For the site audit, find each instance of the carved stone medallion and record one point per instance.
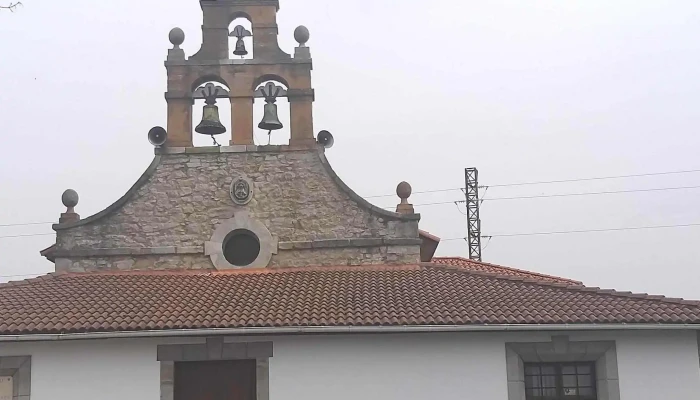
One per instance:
(241, 190)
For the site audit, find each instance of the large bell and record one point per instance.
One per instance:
(240, 48)
(210, 125)
(270, 121)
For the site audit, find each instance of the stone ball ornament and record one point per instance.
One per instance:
(301, 35)
(70, 198)
(176, 36)
(403, 190)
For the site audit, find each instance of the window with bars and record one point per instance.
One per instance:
(560, 381)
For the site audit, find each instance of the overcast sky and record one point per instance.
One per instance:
(412, 90)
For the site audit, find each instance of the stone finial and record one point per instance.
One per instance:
(301, 35)
(70, 200)
(403, 190)
(177, 37)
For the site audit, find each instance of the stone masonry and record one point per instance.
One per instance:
(284, 205)
(165, 219)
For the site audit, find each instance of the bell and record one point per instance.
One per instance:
(240, 48)
(210, 125)
(270, 121)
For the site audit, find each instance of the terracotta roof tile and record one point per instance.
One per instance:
(428, 294)
(499, 269)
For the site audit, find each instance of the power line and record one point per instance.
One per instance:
(550, 182)
(596, 178)
(26, 223)
(419, 192)
(561, 195)
(22, 275)
(633, 228)
(593, 193)
(26, 235)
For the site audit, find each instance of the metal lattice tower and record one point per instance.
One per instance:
(473, 221)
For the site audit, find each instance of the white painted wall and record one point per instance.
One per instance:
(659, 366)
(389, 368)
(105, 370)
(406, 367)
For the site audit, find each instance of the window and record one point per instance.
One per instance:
(560, 381)
(241, 247)
(241, 242)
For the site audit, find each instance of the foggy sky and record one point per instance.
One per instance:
(412, 90)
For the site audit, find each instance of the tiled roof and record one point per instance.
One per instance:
(427, 294)
(499, 269)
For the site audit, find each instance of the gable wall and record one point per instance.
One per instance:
(296, 196)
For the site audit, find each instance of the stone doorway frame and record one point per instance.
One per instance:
(215, 350)
(20, 369)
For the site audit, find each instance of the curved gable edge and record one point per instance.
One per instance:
(361, 201)
(156, 161)
(117, 204)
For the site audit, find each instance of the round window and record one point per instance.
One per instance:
(241, 247)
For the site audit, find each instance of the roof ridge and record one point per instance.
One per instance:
(509, 268)
(579, 287)
(214, 272)
(28, 281)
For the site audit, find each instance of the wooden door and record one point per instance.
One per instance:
(215, 380)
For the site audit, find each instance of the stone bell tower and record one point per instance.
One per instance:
(214, 62)
(239, 205)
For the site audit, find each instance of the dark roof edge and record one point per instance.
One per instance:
(522, 271)
(117, 204)
(49, 252)
(573, 287)
(359, 199)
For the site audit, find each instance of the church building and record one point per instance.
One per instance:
(242, 271)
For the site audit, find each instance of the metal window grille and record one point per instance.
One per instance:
(560, 381)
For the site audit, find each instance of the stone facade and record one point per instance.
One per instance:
(167, 217)
(190, 204)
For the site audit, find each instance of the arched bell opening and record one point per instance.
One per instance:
(271, 113)
(240, 38)
(211, 114)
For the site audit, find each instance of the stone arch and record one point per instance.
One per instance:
(208, 78)
(269, 77)
(239, 14)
